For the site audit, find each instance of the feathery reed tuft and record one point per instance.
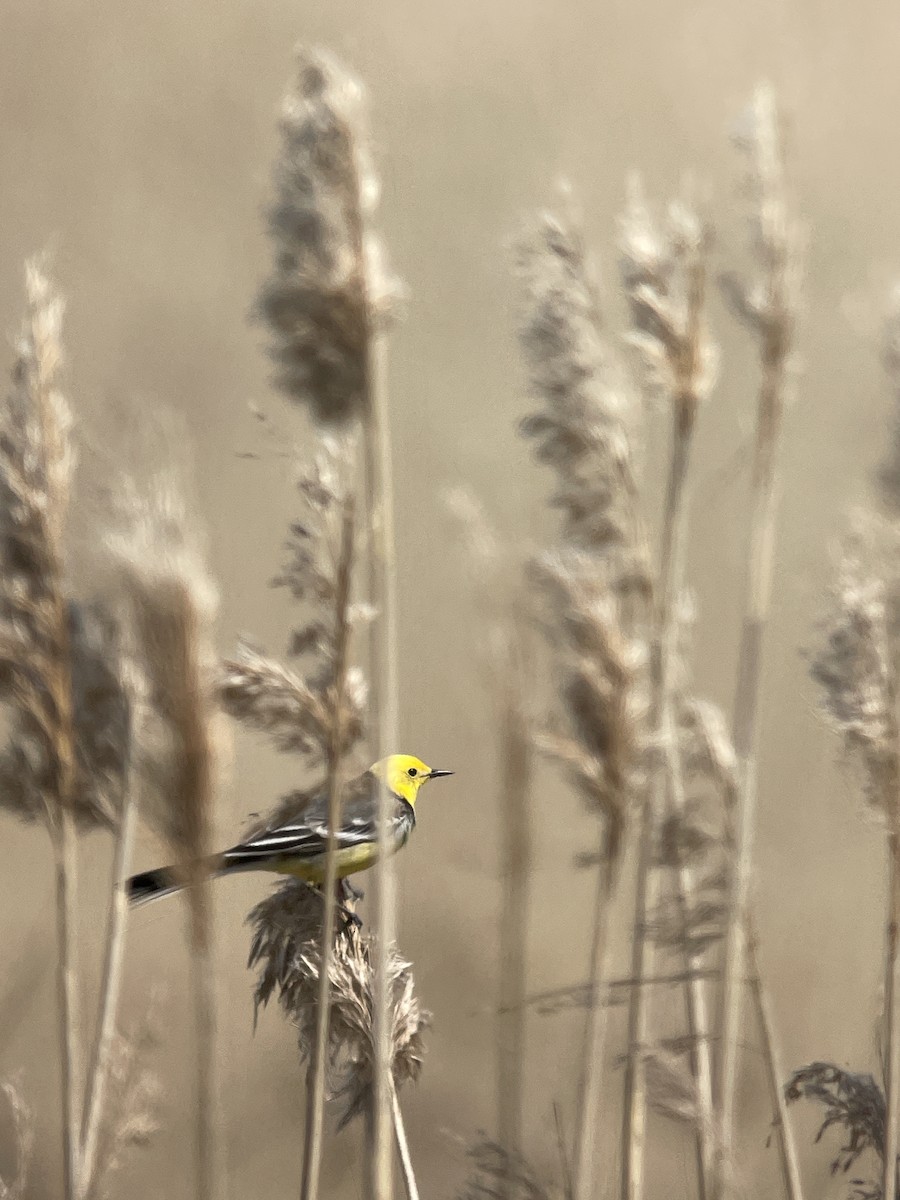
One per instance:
(328, 283)
(133, 1100)
(179, 735)
(299, 711)
(768, 304)
(596, 580)
(23, 1135)
(854, 1103)
(855, 671)
(286, 949)
(501, 1174)
(36, 669)
(581, 429)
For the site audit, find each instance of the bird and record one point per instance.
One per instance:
(298, 846)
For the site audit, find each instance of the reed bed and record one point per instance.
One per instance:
(117, 701)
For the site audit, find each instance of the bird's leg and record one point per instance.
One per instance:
(351, 891)
(350, 917)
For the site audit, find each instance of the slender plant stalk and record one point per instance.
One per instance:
(53, 443)
(110, 991)
(595, 1031)
(316, 1075)
(515, 830)
(775, 1076)
(696, 1006)
(64, 846)
(662, 794)
(746, 735)
(892, 1035)
(409, 1178)
(384, 704)
(197, 784)
(203, 988)
(772, 310)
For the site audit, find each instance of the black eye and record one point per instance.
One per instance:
(412, 771)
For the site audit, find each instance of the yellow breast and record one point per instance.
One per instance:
(349, 861)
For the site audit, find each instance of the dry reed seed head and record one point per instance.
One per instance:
(581, 426)
(103, 701)
(603, 687)
(102, 716)
(501, 1174)
(286, 949)
(36, 650)
(687, 836)
(270, 698)
(328, 289)
(853, 1103)
(310, 569)
(854, 668)
(769, 302)
(704, 921)
(171, 603)
(134, 1100)
(889, 471)
(298, 711)
(671, 1090)
(707, 750)
(663, 272)
(23, 1138)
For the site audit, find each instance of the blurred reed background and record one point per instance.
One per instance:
(137, 143)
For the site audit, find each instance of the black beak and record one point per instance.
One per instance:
(438, 774)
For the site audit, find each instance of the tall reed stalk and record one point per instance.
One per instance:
(172, 604)
(326, 304)
(515, 749)
(36, 650)
(318, 1062)
(65, 855)
(770, 309)
(596, 582)
(664, 278)
(384, 685)
(101, 1062)
(892, 1032)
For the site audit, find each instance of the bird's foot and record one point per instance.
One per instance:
(351, 891)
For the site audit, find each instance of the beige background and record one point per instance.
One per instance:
(136, 138)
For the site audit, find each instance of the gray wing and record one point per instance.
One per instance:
(307, 836)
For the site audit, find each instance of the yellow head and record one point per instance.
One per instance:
(404, 775)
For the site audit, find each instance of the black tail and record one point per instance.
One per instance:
(151, 885)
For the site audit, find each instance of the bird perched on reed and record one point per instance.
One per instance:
(298, 846)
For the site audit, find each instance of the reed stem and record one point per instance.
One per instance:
(746, 738)
(409, 1178)
(594, 1031)
(383, 708)
(110, 992)
(515, 830)
(775, 1075)
(64, 846)
(316, 1075)
(892, 1035)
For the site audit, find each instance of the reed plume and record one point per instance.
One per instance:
(500, 1174)
(856, 668)
(287, 950)
(595, 580)
(664, 276)
(14, 1187)
(36, 671)
(508, 655)
(326, 304)
(768, 304)
(171, 603)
